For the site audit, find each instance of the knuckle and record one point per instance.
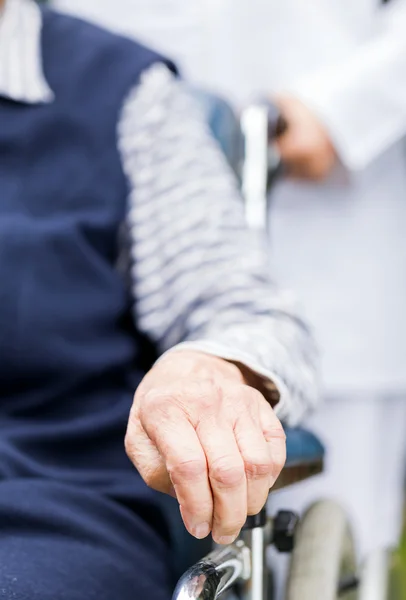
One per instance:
(258, 469)
(156, 408)
(205, 402)
(154, 400)
(276, 433)
(187, 471)
(226, 473)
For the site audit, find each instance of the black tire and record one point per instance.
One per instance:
(322, 556)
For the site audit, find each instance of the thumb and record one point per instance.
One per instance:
(145, 456)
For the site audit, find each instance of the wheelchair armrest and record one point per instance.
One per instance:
(302, 446)
(223, 124)
(305, 457)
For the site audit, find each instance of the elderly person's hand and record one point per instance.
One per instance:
(198, 431)
(305, 147)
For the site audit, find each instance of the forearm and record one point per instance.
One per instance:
(201, 279)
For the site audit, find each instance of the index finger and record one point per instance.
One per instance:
(185, 461)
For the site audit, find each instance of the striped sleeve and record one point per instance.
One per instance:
(200, 278)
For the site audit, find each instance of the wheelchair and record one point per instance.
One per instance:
(323, 562)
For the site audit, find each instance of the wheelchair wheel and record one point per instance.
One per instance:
(323, 558)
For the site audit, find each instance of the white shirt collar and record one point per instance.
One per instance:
(21, 72)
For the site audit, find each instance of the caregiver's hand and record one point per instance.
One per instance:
(305, 147)
(197, 431)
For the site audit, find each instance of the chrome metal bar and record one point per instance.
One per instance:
(261, 123)
(256, 587)
(374, 579)
(254, 124)
(214, 574)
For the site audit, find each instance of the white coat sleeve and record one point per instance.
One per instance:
(362, 101)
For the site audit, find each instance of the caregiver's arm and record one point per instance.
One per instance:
(356, 109)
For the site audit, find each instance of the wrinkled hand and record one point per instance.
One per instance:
(197, 431)
(305, 148)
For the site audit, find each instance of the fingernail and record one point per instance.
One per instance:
(226, 539)
(201, 531)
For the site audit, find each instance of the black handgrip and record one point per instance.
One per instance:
(255, 521)
(277, 124)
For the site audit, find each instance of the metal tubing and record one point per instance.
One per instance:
(256, 588)
(215, 573)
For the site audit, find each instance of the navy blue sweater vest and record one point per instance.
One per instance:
(69, 352)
